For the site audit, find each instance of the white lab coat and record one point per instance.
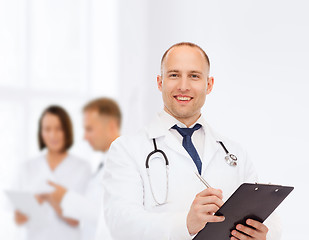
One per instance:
(87, 208)
(72, 173)
(129, 207)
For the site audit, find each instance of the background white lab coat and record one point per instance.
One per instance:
(130, 210)
(72, 173)
(87, 208)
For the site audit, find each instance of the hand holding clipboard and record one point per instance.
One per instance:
(249, 201)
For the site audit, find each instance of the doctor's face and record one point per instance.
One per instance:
(52, 133)
(184, 83)
(97, 130)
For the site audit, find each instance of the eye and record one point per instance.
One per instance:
(173, 75)
(195, 76)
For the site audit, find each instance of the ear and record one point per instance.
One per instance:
(210, 84)
(159, 82)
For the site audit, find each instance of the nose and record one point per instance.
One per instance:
(53, 134)
(184, 84)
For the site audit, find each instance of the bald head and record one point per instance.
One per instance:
(185, 44)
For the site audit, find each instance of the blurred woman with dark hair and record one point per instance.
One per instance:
(56, 135)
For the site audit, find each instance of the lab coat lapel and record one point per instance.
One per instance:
(210, 147)
(175, 145)
(156, 130)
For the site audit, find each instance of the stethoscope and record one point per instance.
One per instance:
(230, 159)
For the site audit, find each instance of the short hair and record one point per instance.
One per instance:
(105, 106)
(189, 44)
(66, 124)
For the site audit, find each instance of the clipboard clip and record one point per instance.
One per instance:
(269, 184)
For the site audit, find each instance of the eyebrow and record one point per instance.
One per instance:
(173, 71)
(196, 72)
(193, 71)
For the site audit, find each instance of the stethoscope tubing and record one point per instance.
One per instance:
(230, 159)
(156, 150)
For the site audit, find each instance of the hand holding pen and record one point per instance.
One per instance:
(203, 208)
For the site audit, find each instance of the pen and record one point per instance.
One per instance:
(202, 180)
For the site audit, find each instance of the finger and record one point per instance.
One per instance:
(210, 208)
(43, 196)
(208, 200)
(213, 218)
(52, 184)
(210, 192)
(247, 230)
(239, 235)
(257, 225)
(18, 214)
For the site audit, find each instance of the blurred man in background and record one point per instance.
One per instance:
(102, 120)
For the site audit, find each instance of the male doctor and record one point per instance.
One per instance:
(170, 202)
(102, 119)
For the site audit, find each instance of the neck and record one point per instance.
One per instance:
(112, 139)
(188, 121)
(115, 136)
(55, 158)
(55, 154)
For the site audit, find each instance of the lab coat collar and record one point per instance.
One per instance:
(160, 128)
(164, 122)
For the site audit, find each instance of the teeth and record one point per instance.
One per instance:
(183, 98)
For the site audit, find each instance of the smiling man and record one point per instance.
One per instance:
(152, 191)
(185, 70)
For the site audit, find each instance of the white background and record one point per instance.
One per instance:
(69, 51)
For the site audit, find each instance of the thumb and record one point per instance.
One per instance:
(52, 184)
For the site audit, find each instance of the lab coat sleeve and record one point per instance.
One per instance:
(102, 232)
(124, 210)
(77, 206)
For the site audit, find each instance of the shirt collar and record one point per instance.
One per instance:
(168, 121)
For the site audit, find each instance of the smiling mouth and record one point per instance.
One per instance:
(183, 98)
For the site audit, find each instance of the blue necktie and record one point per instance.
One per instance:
(186, 133)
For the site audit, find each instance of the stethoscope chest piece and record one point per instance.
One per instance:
(230, 159)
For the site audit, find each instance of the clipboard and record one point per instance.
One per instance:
(26, 203)
(255, 201)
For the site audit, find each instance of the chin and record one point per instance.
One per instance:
(182, 114)
(56, 150)
(95, 148)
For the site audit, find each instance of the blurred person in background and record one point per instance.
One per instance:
(55, 164)
(102, 120)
